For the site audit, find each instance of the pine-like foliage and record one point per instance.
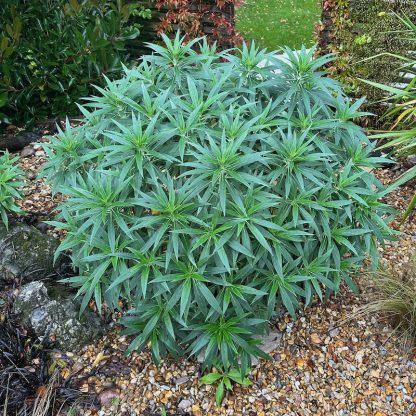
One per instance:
(206, 190)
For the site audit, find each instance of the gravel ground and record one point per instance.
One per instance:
(38, 200)
(330, 361)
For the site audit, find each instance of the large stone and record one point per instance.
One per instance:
(411, 160)
(269, 343)
(26, 253)
(54, 315)
(27, 151)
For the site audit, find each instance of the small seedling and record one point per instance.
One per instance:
(115, 401)
(225, 380)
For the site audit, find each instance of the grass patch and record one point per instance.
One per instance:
(274, 23)
(394, 297)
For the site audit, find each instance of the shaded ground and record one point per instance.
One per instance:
(275, 23)
(32, 377)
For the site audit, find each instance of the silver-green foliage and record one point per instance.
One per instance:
(10, 182)
(206, 190)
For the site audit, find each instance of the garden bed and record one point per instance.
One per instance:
(329, 361)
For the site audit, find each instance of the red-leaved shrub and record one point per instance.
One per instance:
(195, 18)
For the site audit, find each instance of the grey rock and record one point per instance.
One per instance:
(26, 253)
(411, 160)
(27, 151)
(184, 404)
(30, 297)
(107, 396)
(182, 380)
(334, 332)
(54, 315)
(30, 175)
(269, 343)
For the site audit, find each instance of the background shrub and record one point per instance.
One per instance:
(400, 140)
(205, 191)
(10, 181)
(357, 30)
(51, 52)
(194, 17)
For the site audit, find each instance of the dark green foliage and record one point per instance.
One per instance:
(52, 51)
(10, 181)
(207, 191)
(400, 140)
(376, 22)
(362, 30)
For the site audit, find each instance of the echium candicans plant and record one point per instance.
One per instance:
(206, 191)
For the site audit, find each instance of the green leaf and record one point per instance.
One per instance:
(219, 393)
(210, 378)
(186, 292)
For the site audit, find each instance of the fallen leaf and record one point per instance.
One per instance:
(65, 373)
(100, 357)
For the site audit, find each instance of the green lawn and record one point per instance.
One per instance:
(274, 23)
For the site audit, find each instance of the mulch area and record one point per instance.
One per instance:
(331, 360)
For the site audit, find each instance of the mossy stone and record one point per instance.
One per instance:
(26, 253)
(53, 315)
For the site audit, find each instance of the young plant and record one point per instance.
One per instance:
(224, 380)
(206, 191)
(10, 182)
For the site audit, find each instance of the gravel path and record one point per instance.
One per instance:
(323, 367)
(329, 362)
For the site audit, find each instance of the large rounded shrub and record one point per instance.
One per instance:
(205, 190)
